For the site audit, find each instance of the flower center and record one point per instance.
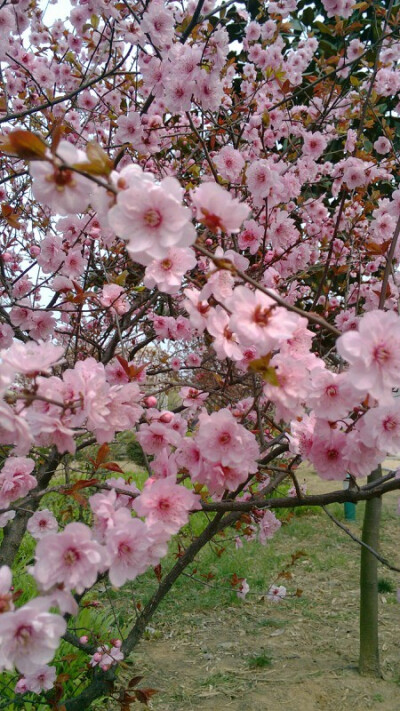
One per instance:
(123, 549)
(262, 316)
(63, 177)
(166, 264)
(163, 505)
(332, 454)
(71, 556)
(389, 424)
(152, 217)
(23, 634)
(381, 354)
(331, 391)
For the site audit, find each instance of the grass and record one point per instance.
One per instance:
(260, 661)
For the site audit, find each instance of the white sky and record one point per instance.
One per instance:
(55, 10)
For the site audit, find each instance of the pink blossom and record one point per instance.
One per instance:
(382, 145)
(155, 436)
(193, 360)
(164, 465)
(103, 506)
(229, 163)
(327, 453)
(14, 429)
(257, 320)
(188, 456)
(151, 217)
(276, 593)
(167, 274)
(105, 657)
(112, 297)
(63, 190)
(70, 558)
(175, 363)
(130, 129)
(41, 523)
(51, 253)
(264, 181)
(244, 588)
(225, 341)
(219, 284)
(178, 93)
(158, 23)
(217, 209)
(6, 335)
(29, 636)
(332, 396)
(74, 264)
(29, 358)
(191, 397)
(40, 680)
(224, 441)
(314, 144)
(42, 325)
(6, 596)
(219, 478)
(166, 502)
(16, 480)
(373, 353)
(268, 526)
(292, 388)
(127, 547)
(380, 428)
(251, 236)
(197, 309)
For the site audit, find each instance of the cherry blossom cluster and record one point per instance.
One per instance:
(199, 246)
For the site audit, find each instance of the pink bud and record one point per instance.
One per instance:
(97, 656)
(166, 417)
(34, 250)
(83, 639)
(150, 401)
(7, 257)
(209, 242)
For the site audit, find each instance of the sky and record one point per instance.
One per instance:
(55, 10)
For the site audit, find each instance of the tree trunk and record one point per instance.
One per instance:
(369, 646)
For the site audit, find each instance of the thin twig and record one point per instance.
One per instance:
(381, 559)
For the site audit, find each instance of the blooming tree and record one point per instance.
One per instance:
(198, 200)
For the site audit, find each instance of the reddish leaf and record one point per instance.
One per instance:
(23, 144)
(122, 361)
(63, 677)
(134, 681)
(144, 695)
(57, 134)
(102, 454)
(69, 658)
(10, 216)
(157, 571)
(234, 581)
(112, 467)
(75, 489)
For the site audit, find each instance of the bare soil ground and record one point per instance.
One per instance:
(298, 655)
